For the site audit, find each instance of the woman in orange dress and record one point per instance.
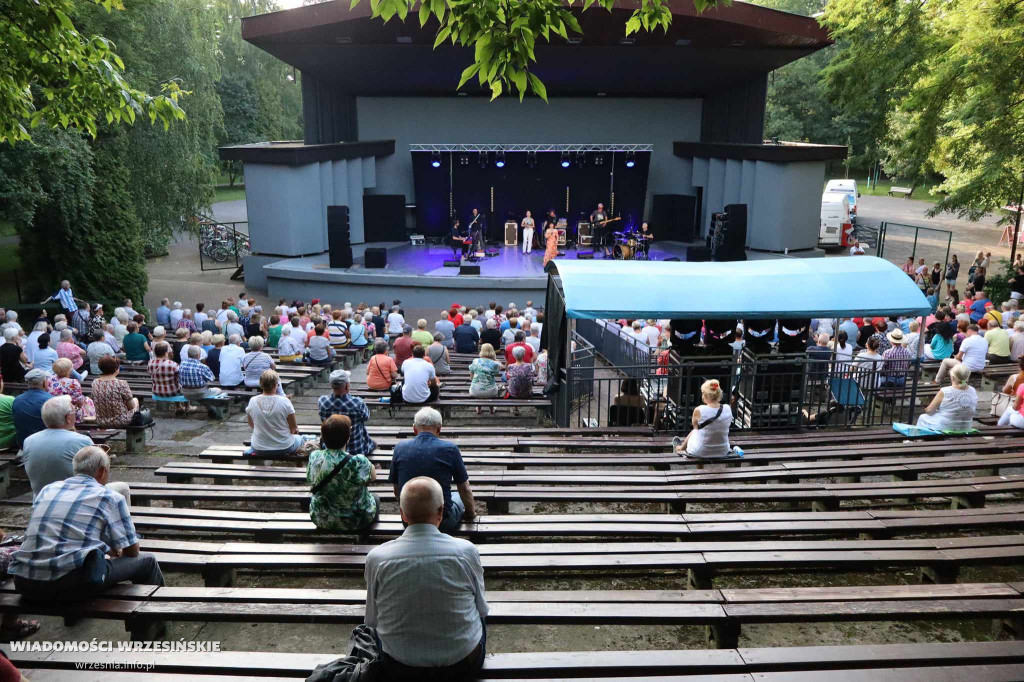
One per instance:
(551, 241)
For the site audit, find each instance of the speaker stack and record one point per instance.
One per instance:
(727, 238)
(339, 240)
(376, 258)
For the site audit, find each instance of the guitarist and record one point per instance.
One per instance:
(599, 224)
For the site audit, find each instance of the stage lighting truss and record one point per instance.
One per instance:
(508, 148)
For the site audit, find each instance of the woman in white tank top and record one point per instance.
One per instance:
(709, 437)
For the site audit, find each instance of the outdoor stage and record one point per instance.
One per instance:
(417, 276)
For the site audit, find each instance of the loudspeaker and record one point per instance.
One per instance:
(384, 217)
(733, 241)
(453, 263)
(551, 267)
(585, 255)
(376, 258)
(469, 270)
(673, 259)
(673, 217)
(339, 242)
(696, 254)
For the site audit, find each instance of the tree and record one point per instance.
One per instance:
(260, 96)
(52, 74)
(942, 83)
(503, 32)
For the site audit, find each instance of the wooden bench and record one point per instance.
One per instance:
(905, 192)
(145, 608)
(918, 662)
(937, 559)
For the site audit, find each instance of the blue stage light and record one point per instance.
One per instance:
(630, 159)
(435, 164)
(565, 159)
(630, 163)
(499, 159)
(499, 164)
(435, 159)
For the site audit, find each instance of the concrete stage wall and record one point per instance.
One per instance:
(566, 120)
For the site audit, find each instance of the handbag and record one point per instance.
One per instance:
(142, 417)
(1000, 404)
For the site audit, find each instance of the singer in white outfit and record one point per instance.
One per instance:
(528, 226)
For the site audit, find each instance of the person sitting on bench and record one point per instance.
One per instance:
(972, 353)
(74, 524)
(275, 433)
(428, 455)
(953, 407)
(195, 377)
(352, 407)
(425, 594)
(709, 437)
(421, 384)
(339, 498)
(49, 454)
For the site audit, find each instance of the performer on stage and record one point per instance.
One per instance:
(458, 239)
(528, 226)
(477, 229)
(599, 225)
(550, 238)
(645, 237)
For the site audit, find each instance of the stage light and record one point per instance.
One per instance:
(531, 159)
(581, 159)
(483, 159)
(630, 159)
(464, 160)
(565, 160)
(435, 159)
(499, 159)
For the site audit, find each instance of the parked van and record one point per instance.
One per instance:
(849, 188)
(836, 225)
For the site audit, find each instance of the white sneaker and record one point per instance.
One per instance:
(84, 374)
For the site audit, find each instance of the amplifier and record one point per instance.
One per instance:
(511, 233)
(584, 233)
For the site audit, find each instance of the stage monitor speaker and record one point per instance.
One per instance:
(469, 270)
(339, 243)
(511, 233)
(384, 217)
(696, 254)
(453, 263)
(673, 217)
(585, 255)
(673, 259)
(376, 258)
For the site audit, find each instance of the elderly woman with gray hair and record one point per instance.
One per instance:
(520, 377)
(256, 362)
(13, 361)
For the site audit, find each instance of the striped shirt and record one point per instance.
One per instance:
(67, 299)
(425, 597)
(254, 364)
(70, 519)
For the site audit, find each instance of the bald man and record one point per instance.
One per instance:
(425, 594)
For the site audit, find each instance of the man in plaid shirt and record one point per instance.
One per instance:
(896, 360)
(164, 372)
(340, 402)
(195, 376)
(75, 524)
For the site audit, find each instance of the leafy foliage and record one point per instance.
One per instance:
(503, 33)
(942, 84)
(55, 75)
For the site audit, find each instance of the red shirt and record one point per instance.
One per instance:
(511, 358)
(456, 318)
(403, 349)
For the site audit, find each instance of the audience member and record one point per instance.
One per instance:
(973, 352)
(998, 345)
(520, 376)
(230, 359)
(953, 407)
(381, 370)
(420, 335)
(45, 356)
(340, 401)
(491, 335)
(396, 322)
(27, 407)
(485, 372)
(163, 371)
(75, 522)
(136, 346)
(519, 341)
(438, 356)
(709, 434)
(195, 377)
(421, 384)
(425, 595)
(255, 363)
(896, 360)
(428, 455)
(7, 430)
(403, 345)
(13, 361)
(446, 327)
(339, 497)
(466, 337)
(1017, 341)
(115, 404)
(63, 384)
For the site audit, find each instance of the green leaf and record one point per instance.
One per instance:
(633, 25)
(538, 87)
(424, 14)
(64, 20)
(519, 79)
(468, 73)
(442, 35)
(484, 49)
(495, 90)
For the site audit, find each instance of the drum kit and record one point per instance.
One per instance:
(630, 246)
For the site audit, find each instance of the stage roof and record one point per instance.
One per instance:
(700, 54)
(765, 289)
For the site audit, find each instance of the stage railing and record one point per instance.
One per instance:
(614, 345)
(583, 366)
(769, 392)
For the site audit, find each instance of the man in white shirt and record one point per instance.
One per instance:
(973, 351)
(1017, 341)
(231, 362)
(652, 334)
(395, 322)
(534, 339)
(176, 315)
(856, 249)
(425, 594)
(198, 317)
(421, 385)
(529, 311)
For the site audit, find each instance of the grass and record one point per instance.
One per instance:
(882, 189)
(7, 229)
(228, 193)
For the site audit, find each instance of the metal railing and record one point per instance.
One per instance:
(613, 343)
(765, 393)
(222, 246)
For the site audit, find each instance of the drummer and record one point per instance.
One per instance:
(646, 237)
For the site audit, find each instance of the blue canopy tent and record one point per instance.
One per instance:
(797, 288)
(767, 289)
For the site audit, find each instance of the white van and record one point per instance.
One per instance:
(849, 188)
(836, 228)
